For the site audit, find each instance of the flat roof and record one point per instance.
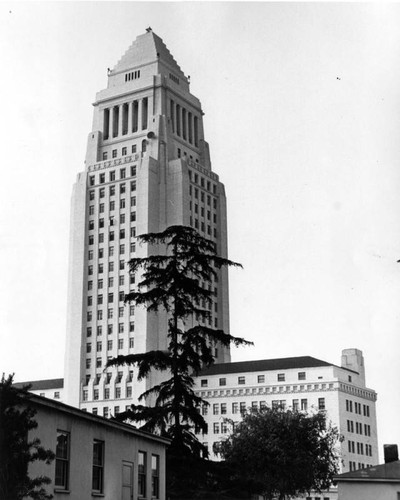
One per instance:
(265, 365)
(37, 385)
(389, 472)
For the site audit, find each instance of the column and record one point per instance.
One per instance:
(130, 117)
(111, 124)
(135, 115)
(184, 123)
(106, 123)
(190, 128)
(120, 118)
(140, 111)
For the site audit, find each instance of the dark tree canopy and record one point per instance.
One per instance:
(281, 454)
(172, 280)
(16, 451)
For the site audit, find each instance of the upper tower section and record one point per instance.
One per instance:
(147, 97)
(147, 56)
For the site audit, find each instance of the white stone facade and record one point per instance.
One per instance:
(304, 383)
(147, 168)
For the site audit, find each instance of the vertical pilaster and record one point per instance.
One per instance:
(140, 111)
(120, 119)
(111, 123)
(130, 117)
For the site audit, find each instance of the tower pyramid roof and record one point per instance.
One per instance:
(145, 49)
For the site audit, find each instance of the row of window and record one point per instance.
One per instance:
(112, 177)
(353, 465)
(358, 428)
(201, 212)
(132, 75)
(63, 459)
(106, 410)
(111, 235)
(357, 408)
(111, 192)
(203, 182)
(174, 78)
(112, 188)
(121, 282)
(241, 380)
(56, 394)
(101, 251)
(240, 407)
(112, 221)
(100, 268)
(99, 343)
(89, 317)
(108, 377)
(100, 297)
(106, 394)
(110, 315)
(194, 191)
(132, 245)
(360, 448)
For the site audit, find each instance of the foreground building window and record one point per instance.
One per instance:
(98, 466)
(62, 460)
(155, 476)
(142, 474)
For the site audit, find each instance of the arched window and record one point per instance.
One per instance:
(144, 145)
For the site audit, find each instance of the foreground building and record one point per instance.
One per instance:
(381, 482)
(97, 457)
(147, 167)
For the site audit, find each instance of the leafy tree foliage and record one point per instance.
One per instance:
(16, 451)
(171, 281)
(281, 454)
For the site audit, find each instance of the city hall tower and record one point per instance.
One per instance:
(147, 167)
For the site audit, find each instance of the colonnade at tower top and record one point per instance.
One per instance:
(127, 118)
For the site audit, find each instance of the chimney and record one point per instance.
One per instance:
(390, 452)
(353, 359)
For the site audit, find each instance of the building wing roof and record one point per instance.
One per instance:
(265, 365)
(34, 399)
(145, 49)
(384, 472)
(37, 385)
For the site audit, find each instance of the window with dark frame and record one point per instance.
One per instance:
(98, 467)
(155, 476)
(142, 474)
(61, 480)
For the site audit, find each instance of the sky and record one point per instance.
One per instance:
(302, 114)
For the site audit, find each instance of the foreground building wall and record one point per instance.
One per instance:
(375, 483)
(96, 456)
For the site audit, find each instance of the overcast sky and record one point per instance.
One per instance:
(302, 113)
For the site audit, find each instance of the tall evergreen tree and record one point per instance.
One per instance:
(16, 450)
(172, 281)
